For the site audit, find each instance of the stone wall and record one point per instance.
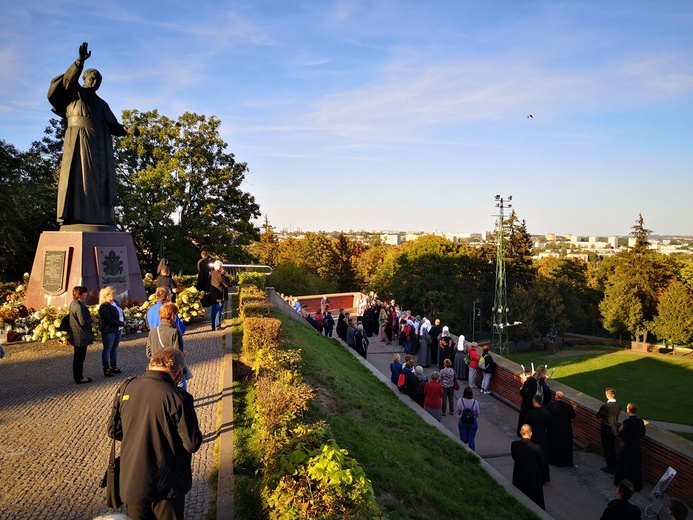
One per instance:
(337, 301)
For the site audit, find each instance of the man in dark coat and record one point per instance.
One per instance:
(538, 419)
(529, 460)
(341, 325)
(157, 424)
(527, 393)
(435, 331)
(629, 459)
(608, 414)
(218, 293)
(620, 508)
(203, 273)
(561, 431)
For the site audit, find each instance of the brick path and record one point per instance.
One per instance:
(53, 433)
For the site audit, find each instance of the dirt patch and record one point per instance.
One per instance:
(242, 372)
(324, 400)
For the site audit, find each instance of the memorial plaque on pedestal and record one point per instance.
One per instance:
(54, 271)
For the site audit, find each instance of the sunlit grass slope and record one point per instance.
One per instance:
(416, 471)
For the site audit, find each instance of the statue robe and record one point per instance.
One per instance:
(87, 184)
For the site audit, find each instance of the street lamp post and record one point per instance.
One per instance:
(476, 313)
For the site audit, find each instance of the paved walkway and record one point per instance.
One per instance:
(53, 440)
(54, 445)
(576, 493)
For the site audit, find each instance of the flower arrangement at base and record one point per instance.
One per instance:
(134, 318)
(189, 306)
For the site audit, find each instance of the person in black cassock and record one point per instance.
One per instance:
(608, 415)
(527, 392)
(538, 419)
(203, 270)
(529, 460)
(620, 508)
(561, 431)
(629, 458)
(341, 325)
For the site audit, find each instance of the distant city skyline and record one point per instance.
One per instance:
(464, 233)
(398, 115)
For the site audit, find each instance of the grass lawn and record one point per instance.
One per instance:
(659, 385)
(416, 471)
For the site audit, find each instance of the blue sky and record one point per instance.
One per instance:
(402, 115)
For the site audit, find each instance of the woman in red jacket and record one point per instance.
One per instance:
(474, 358)
(433, 396)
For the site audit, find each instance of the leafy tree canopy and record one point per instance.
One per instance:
(180, 188)
(674, 319)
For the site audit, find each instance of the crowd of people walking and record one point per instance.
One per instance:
(544, 421)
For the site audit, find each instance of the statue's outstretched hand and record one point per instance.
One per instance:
(133, 130)
(84, 52)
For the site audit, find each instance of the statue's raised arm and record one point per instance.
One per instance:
(84, 52)
(87, 184)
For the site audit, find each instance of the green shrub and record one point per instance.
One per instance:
(274, 361)
(280, 399)
(256, 309)
(252, 279)
(260, 334)
(251, 293)
(323, 483)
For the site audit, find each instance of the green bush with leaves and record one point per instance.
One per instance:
(322, 483)
(305, 473)
(280, 399)
(257, 310)
(260, 334)
(252, 279)
(251, 293)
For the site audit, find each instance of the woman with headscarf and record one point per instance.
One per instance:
(461, 369)
(445, 347)
(424, 357)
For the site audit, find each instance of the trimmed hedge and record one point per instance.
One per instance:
(305, 474)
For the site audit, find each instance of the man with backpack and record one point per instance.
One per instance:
(486, 365)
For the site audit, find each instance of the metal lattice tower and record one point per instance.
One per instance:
(500, 309)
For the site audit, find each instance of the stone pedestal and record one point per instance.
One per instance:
(81, 255)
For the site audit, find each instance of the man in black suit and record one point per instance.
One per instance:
(561, 431)
(538, 419)
(620, 508)
(529, 461)
(608, 414)
(629, 460)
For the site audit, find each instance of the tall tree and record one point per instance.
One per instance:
(518, 252)
(622, 309)
(179, 185)
(640, 234)
(316, 253)
(266, 249)
(28, 206)
(346, 252)
(638, 274)
(674, 319)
